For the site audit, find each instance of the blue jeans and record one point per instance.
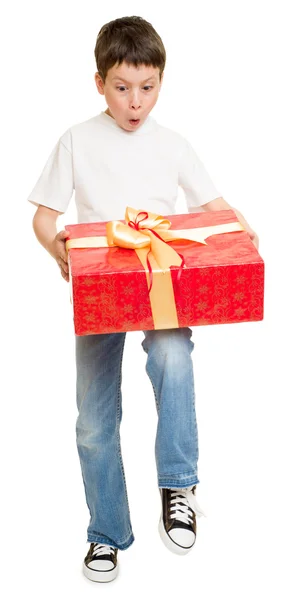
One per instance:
(99, 401)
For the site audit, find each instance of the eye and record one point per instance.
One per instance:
(122, 88)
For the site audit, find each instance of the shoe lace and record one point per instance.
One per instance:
(100, 549)
(182, 503)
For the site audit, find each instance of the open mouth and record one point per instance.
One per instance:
(134, 121)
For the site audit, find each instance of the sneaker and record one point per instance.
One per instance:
(177, 525)
(100, 564)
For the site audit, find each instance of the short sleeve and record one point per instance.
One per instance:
(55, 185)
(194, 179)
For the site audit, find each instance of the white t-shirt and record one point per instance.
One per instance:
(110, 168)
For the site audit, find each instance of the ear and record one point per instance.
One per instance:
(99, 83)
(161, 81)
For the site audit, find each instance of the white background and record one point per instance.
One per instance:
(232, 88)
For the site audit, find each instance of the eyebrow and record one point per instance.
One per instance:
(125, 81)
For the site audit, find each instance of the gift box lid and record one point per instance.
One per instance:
(221, 249)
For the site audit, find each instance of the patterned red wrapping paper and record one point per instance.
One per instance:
(223, 281)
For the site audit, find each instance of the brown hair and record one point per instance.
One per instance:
(129, 39)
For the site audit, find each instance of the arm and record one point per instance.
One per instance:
(221, 204)
(44, 225)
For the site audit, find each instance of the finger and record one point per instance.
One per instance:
(62, 235)
(65, 275)
(63, 265)
(63, 254)
(61, 243)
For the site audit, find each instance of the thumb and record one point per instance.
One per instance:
(62, 234)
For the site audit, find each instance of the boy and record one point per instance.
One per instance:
(124, 157)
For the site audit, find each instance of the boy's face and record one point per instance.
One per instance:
(130, 92)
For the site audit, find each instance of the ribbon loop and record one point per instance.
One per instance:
(119, 234)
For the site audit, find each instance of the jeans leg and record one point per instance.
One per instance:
(170, 369)
(99, 402)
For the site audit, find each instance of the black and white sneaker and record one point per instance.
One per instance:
(177, 525)
(100, 564)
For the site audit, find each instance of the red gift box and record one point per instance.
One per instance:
(222, 281)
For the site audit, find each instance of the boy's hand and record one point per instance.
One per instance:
(254, 238)
(59, 252)
(221, 204)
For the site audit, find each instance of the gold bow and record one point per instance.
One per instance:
(141, 236)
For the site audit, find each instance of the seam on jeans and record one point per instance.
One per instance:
(98, 534)
(195, 417)
(171, 475)
(155, 396)
(177, 483)
(163, 480)
(150, 376)
(125, 542)
(196, 432)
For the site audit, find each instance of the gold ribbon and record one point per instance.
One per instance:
(136, 235)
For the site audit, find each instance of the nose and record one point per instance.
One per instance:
(135, 101)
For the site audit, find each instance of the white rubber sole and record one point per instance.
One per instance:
(169, 543)
(100, 576)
